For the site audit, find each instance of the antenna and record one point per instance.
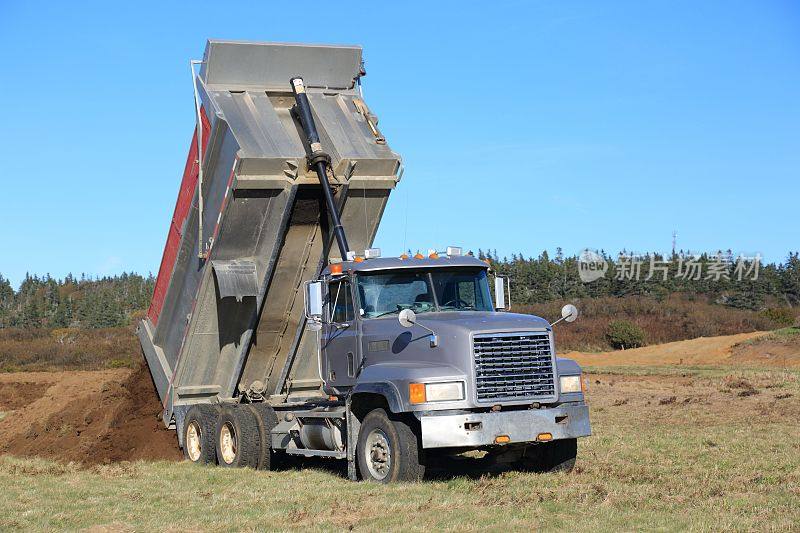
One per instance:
(674, 242)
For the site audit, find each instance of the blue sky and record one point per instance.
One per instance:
(523, 125)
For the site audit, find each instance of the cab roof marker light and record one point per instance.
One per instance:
(419, 256)
(372, 253)
(454, 251)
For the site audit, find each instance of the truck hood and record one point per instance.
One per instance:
(481, 321)
(398, 356)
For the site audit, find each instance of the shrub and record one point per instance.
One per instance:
(623, 334)
(782, 316)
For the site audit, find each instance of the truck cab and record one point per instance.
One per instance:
(420, 338)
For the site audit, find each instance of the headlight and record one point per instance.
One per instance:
(570, 383)
(436, 392)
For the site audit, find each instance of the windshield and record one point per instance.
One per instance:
(442, 289)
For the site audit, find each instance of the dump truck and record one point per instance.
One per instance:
(276, 330)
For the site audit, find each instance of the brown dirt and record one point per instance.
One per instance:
(729, 350)
(768, 351)
(700, 401)
(89, 417)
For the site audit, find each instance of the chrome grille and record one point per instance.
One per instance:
(513, 366)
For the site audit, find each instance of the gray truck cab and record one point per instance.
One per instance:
(420, 337)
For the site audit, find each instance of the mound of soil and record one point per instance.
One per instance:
(86, 417)
(769, 351)
(704, 351)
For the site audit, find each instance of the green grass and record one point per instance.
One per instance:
(789, 335)
(645, 468)
(787, 332)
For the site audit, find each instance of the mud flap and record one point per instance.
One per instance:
(353, 428)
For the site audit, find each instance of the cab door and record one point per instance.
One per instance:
(340, 344)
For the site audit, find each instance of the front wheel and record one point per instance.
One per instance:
(388, 450)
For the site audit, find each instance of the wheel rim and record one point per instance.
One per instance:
(378, 454)
(227, 444)
(193, 441)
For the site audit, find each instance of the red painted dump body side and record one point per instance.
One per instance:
(182, 208)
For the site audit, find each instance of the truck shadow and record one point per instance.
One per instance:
(443, 468)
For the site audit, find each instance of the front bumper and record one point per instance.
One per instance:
(480, 429)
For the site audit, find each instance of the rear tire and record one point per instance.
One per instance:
(555, 456)
(238, 440)
(388, 450)
(198, 434)
(266, 420)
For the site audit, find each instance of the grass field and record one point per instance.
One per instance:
(673, 449)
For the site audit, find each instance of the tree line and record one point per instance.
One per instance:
(47, 302)
(112, 301)
(722, 278)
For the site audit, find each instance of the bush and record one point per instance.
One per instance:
(783, 317)
(622, 334)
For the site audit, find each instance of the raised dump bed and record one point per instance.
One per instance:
(227, 315)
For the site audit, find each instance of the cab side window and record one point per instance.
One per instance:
(340, 302)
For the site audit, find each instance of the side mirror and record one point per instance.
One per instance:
(313, 304)
(407, 318)
(499, 293)
(569, 313)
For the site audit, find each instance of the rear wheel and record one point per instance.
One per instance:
(198, 434)
(388, 450)
(266, 419)
(555, 456)
(238, 440)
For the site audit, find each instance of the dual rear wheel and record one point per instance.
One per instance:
(231, 436)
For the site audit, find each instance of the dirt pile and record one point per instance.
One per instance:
(745, 349)
(87, 417)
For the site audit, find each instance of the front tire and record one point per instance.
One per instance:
(198, 434)
(388, 450)
(238, 439)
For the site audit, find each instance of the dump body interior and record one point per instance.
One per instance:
(233, 321)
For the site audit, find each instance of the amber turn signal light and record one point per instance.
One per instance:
(544, 437)
(416, 392)
(502, 439)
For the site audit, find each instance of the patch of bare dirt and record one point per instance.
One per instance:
(744, 349)
(14, 395)
(90, 417)
(768, 351)
(696, 400)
